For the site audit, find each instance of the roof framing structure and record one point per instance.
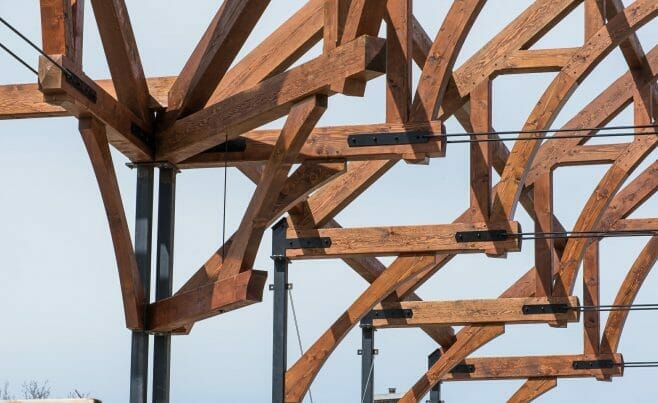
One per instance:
(210, 116)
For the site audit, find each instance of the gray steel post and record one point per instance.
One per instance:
(164, 281)
(367, 360)
(435, 392)
(280, 313)
(139, 357)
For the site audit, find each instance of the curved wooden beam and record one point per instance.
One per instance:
(437, 70)
(554, 98)
(627, 293)
(95, 139)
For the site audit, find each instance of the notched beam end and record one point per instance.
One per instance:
(175, 313)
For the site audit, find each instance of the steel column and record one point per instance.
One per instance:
(139, 358)
(367, 360)
(435, 392)
(280, 313)
(164, 280)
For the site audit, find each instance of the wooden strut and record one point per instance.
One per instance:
(210, 116)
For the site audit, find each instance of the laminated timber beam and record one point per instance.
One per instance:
(468, 312)
(328, 143)
(129, 133)
(361, 59)
(562, 366)
(391, 241)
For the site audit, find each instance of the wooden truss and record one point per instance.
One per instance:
(209, 116)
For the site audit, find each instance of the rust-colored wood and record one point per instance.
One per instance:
(591, 298)
(532, 389)
(214, 54)
(328, 143)
(95, 139)
(437, 70)
(269, 100)
(399, 48)
(481, 153)
(389, 241)
(536, 366)
(301, 121)
(209, 103)
(118, 119)
(469, 312)
(544, 246)
(123, 56)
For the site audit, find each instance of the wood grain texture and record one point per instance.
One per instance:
(442, 56)
(535, 366)
(119, 120)
(132, 292)
(391, 241)
(25, 101)
(399, 48)
(327, 144)
(123, 56)
(214, 54)
(532, 389)
(269, 100)
(302, 119)
(469, 312)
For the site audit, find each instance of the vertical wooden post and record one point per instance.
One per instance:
(77, 28)
(399, 50)
(53, 26)
(594, 17)
(481, 153)
(544, 245)
(335, 12)
(591, 318)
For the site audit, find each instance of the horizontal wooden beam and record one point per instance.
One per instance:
(361, 59)
(328, 143)
(560, 366)
(25, 101)
(468, 312)
(222, 296)
(392, 241)
(119, 120)
(536, 61)
(636, 224)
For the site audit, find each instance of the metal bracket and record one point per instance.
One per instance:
(392, 313)
(463, 369)
(374, 352)
(81, 86)
(308, 243)
(156, 164)
(545, 308)
(482, 236)
(387, 139)
(237, 145)
(288, 287)
(593, 364)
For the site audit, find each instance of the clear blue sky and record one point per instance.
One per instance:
(59, 294)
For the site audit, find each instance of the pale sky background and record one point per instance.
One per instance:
(61, 310)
